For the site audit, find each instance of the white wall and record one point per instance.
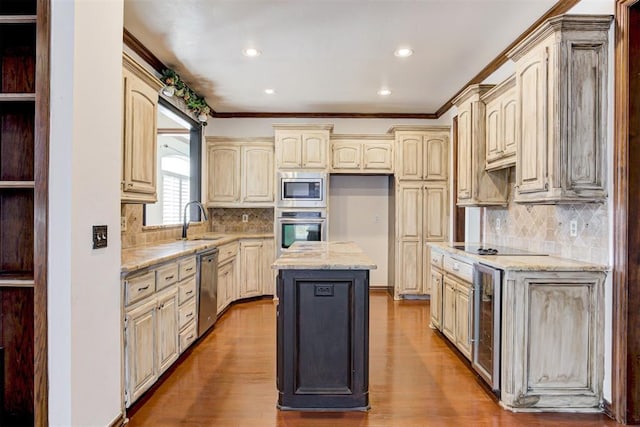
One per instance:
(84, 298)
(358, 212)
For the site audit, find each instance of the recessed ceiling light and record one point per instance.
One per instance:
(384, 92)
(403, 52)
(251, 52)
(269, 91)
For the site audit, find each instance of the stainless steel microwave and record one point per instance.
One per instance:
(302, 189)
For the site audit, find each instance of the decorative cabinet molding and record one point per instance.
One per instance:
(422, 153)
(240, 173)
(422, 215)
(302, 147)
(139, 133)
(500, 125)
(545, 317)
(362, 154)
(476, 186)
(561, 112)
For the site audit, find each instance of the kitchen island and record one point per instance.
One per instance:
(323, 327)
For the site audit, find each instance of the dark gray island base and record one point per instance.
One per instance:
(323, 340)
(323, 327)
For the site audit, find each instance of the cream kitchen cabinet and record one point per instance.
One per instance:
(269, 275)
(464, 311)
(302, 147)
(476, 186)
(449, 308)
(421, 216)
(227, 275)
(240, 173)
(251, 266)
(187, 288)
(140, 109)
(361, 154)
(422, 153)
(150, 333)
(436, 288)
(561, 111)
(457, 301)
(500, 125)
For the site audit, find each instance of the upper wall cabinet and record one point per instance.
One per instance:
(240, 173)
(561, 111)
(422, 153)
(362, 154)
(139, 133)
(302, 147)
(500, 125)
(476, 186)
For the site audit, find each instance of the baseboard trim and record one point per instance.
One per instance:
(119, 421)
(607, 410)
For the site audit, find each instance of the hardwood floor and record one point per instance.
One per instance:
(228, 379)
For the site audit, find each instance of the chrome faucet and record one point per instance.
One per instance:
(185, 225)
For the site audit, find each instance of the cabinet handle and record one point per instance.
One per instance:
(190, 337)
(143, 288)
(190, 292)
(130, 184)
(456, 266)
(161, 306)
(189, 269)
(189, 314)
(169, 277)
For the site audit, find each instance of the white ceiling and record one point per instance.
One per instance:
(329, 55)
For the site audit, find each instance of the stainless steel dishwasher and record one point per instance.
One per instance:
(207, 290)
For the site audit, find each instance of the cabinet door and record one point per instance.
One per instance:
(225, 281)
(464, 152)
(289, 149)
(250, 268)
(463, 318)
(410, 263)
(410, 157)
(410, 211)
(257, 174)
(140, 350)
(493, 131)
(167, 332)
(346, 155)
(314, 150)
(436, 159)
(509, 107)
(449, 309)
(269, 275)
(224, 174)
(531, 153)
(434, 224)
(435, 304)
(378, 156)
(139, 146)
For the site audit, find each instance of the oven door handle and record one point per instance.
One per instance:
(301, 221)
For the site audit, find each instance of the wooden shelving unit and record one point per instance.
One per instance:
(24, 115)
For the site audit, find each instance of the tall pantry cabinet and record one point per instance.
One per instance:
(24, 121)
(421, 204)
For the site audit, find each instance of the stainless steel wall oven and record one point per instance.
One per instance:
(299, 225)
(487, 286)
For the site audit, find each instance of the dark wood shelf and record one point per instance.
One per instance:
(18, 19)
(17, 184)
(19, 279)
(17, 97)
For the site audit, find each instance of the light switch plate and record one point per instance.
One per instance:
(99, 236)
(573, 228)
(245, 217)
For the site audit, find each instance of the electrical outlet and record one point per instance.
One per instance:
(99, 236)
(497, 223)
(376, 218)
(123, 224)
(573, 228)
(245, 218)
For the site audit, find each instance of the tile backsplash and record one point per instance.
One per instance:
(546, 228)
(229, 220)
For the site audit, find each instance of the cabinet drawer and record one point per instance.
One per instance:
(187, 267)
(187, 313)
(436, 258)
(188, 336)
(187, 290)
(227, 251)
(137, 288)
(459, 268)
(166, 275)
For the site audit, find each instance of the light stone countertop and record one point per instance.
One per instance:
(520, 262)
(324, 256)
(145, 256)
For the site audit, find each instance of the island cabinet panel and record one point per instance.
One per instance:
(323, 339)
(552, 341)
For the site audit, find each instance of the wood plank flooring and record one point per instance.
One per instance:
(228, 379)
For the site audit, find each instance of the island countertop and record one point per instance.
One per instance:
(324, 256)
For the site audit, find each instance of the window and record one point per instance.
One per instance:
(178, 167)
